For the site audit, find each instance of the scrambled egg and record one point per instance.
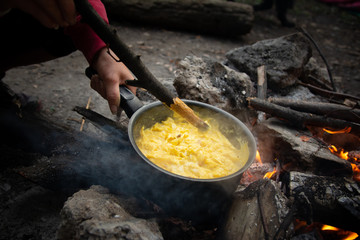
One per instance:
(181, 148)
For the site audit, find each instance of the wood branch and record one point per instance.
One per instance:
(146, 79)
(262, 82)
(300, 119)
(325, 109)
(317, 82)
(107, 125)
(214, 17)
(329, 94)
(321, 55)
(329, 200)
(261, 89)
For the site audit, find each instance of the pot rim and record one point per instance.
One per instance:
(249, 136)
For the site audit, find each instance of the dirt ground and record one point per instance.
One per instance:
(28, 211)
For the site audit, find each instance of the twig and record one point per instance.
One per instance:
(83, 119)
(321, 55)
(327, 93)
(261, 88)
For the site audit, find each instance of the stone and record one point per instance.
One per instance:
(208, 81)
(284, 59)
(97, 214)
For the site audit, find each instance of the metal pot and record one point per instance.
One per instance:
(199, 200)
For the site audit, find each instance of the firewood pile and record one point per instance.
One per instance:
(307, 134)
(306, 175)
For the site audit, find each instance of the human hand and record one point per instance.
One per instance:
(110, 75)
(50, 13)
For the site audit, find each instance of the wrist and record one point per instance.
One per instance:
(97, 58)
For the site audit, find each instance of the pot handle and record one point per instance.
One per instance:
(129, 102)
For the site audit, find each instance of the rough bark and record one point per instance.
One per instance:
(325, 109)
(206, 16)
(258, 212)
(300, 119)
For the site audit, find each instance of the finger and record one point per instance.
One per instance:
(68, 10)
(98, 85)
(112, 92)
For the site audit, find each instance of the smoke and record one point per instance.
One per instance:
(114, 164)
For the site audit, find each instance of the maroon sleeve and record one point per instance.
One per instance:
(84, 37)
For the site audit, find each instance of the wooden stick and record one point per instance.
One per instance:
(261, 89)
(321, 55)
(262, 82)
(337, 111)
(329, 94)
(300, 119)
(145, 78)
(83, 119)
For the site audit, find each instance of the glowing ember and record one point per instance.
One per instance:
(328, 227)
(345, 130)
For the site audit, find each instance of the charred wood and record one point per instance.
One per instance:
(329, 200)
(297, 150)
(325, 109)
(300, 119)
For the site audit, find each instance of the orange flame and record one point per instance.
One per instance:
(350, 235)
(345, 130)
(258, 158)
(345, 155)
(341, 153)
(270, 174)
(356, 172)
(328, 227)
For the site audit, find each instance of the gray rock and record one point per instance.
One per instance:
(96, 214)
(208, 81)
(284, 59)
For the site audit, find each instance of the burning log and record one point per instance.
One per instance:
(329, 200)
(298, 151)
(325, 109)
(300, 119)
(210, 16)
(258, 212)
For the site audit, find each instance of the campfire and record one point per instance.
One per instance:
(303, 184)
(305, 179)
